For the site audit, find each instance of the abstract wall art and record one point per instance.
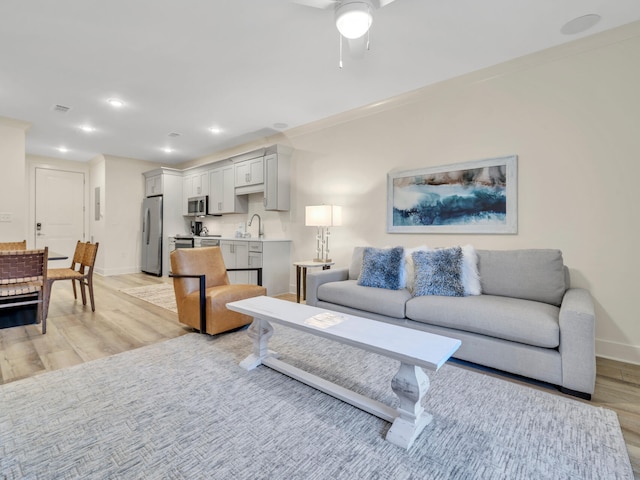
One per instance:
(471, 197)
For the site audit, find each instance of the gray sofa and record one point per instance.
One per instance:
(527, 320)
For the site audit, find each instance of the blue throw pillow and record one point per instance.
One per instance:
(438, 272)
(382, 268)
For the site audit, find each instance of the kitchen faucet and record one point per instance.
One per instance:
(260, 233)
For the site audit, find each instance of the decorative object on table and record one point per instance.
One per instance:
(322, 217)
(13, 245)
(23, 280)
(472, 197)
(202, 290)
(81, 270)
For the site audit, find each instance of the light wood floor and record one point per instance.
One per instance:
(121, 322)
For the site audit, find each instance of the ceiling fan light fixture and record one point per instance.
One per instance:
(353, 19)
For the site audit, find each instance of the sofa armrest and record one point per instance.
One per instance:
(315, 279)
(577, 341)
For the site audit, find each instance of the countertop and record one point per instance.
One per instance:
(246, 239)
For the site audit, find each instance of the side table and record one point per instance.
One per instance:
(301, 268)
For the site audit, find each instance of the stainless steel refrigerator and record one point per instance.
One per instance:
(152, 235)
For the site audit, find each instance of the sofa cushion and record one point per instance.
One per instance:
(536, 274)
(378, 300)
(438, 272)
(523, 321)
(356, 263)
(382, 268)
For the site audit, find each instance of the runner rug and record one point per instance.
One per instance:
(185, 409)
(161, 294)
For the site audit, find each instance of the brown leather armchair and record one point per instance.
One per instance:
(202, 289)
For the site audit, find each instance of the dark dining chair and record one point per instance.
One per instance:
(81, 270)
(23, 280)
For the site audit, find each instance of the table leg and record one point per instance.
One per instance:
(298, 268)
(260, 331)
(304, 283)
(410, 384)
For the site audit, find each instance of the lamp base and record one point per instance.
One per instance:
(321, 260)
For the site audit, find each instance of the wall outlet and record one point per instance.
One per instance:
(5, 217)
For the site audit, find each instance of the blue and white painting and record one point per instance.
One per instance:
(478, 199)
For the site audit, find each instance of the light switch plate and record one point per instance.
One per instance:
(5, 217)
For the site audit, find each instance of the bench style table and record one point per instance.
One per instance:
(413, 348)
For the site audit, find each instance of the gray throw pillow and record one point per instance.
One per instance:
(382, 268)
(438, 272)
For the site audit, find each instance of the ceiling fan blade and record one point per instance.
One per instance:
(381, 3)
(323, 4)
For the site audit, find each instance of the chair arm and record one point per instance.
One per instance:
(577, 340)
(203, 298)
(257, 269)
(315, 279)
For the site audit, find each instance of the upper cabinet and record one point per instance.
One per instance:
(194, 185)
(249, 175)
(153, 185)
(270, 174)
(277, 184)
(223, 198)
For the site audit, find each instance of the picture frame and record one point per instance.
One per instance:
(479, 196)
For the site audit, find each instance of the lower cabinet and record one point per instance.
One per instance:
(274, 256)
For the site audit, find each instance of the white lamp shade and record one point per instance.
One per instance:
(323, 216)
(353, 19)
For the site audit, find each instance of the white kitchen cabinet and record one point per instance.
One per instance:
(277, 185)
(274, 256)
(236, 255)
(153, 185)
(194, 185)
(249, 172)
(222, 197)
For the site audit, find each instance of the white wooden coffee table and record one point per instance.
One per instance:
(414, 349)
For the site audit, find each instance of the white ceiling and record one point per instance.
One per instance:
(244, 65)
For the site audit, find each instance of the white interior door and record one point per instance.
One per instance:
(59, 212)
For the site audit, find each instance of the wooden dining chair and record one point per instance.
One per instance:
(23, 280)
(13, 245)
(81, 270)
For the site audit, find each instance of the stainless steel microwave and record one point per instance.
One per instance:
(197, 205)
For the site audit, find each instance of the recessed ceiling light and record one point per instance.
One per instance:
(167, 150)
(63, 149)
(87, 128)
(580, 24)
(215, 130)
(116, 102)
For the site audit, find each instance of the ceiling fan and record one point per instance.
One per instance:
(353, 20)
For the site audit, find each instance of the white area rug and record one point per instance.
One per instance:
(161, 295)
(185, 409)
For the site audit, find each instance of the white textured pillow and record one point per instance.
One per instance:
(409, 270)
(470, 275)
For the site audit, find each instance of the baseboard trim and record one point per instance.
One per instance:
(621, 352)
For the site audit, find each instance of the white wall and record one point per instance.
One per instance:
(571, 114)
(97, 179)
(12, 167)
(118, 230)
